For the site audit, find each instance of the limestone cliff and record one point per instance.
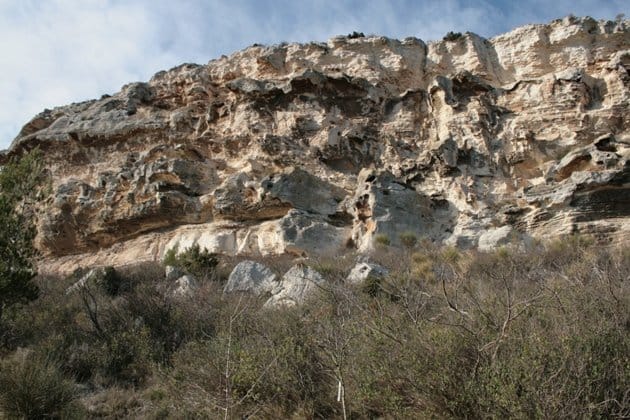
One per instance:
(321, 147)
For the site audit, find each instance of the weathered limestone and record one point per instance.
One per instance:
(297, 285)
(251, 276)
(364, 270)
(185, 286)
(314, 149)
(493, 238)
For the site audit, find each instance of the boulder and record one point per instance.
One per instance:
(95, 276)
(364, 270)
(172, 273)
(185, 286)
(300, 282)
(251, 276)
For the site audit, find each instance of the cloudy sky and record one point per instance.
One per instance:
(53, 52)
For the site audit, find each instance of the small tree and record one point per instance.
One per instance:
(19, 182)
(194, 260)
(452, 36)
(408, 239)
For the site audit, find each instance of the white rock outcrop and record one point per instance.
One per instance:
(493, 238)
(185, 286)
(365, 270)
(297, 285)
(251, 276)
(320, 148)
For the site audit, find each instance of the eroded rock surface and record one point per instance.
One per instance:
(319, 148)
(251, 276)
(296, 286)
(185, 286)
(364, 270)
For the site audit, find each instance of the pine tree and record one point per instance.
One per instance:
(20, 182)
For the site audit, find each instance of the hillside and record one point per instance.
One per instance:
(364, 228)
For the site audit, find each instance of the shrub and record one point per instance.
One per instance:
(558, 377)
(32, 387)
(449, 254)
(200, 263)
(512, 333)
(124, 357)
(372, 286)
(382, 240)
(333, 269)
(19, 188)
(169, 323)
(356, 34)
(117, 403)
(110, 281)
(408, 239)
(421, 266)
(452, 36)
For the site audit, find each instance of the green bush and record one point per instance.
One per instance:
(547, 377)
(372, 286)
(270, 361)
(382, 240)
(452, 36)
(32, 387)
(20, 182)
(200, 263)
(408, 239)
(124, 357)
(356, 34)
(111, 282)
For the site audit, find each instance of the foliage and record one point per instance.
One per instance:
(452, 36)
(536, 333)
(110, 281)
(408, 239)
(32, 387)
(372, 286)
(200, 263)
(19, 181)
(382, 240)
(356, 34)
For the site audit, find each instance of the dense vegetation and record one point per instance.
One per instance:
(542, 332)
(21, 183)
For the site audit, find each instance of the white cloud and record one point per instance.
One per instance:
(59, 51)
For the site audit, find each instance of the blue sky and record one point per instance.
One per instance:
(53, 52)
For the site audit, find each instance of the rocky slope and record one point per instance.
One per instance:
(325, 147)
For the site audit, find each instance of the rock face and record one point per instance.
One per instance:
(319, 148)
(297, 285)
(251, 276)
